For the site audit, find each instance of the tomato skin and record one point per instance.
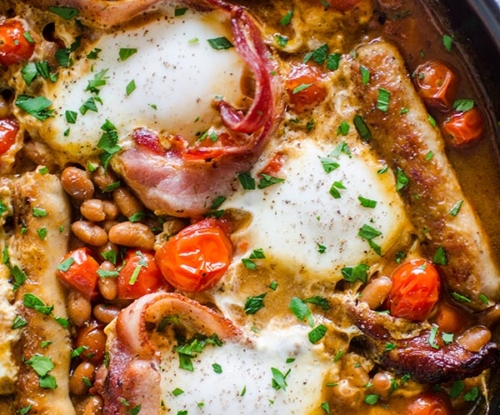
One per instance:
(148, 280)
(464, 127)
(8, 132)
(312, 95)
(197, 257)
(82, 274)
(14, 47)
(430, 403)
(415, 290)
(436, 84)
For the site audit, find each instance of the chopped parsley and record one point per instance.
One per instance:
(300, 309)
(317, 333)
(358, 272)
(246, 180)
(329, 165)
(301, 88)
(401, 179)
(440, 257)
(266, 180)
(180, 11)
(334, 189)
(365, 74)
(447, 42)
(130, 87)
(333, 61)
(343, 128)
(460, 298)
(254, 304)
(367, 203)
(281, 40)
(220, 43)
(362, 128)
(126, 53)
(384, 97)
(456, 208)
(463, 105)
(287, 18)
(432, 337)
(66, 13)
(279, 379)
(37, 107)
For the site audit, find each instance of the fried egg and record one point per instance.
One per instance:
(164, 75)
(313, 221)
(239, 378)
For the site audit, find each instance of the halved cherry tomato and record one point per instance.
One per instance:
(415, 290)
(139, 275)
(78, 270)
(436, 84)
(14, 46)
(197, 257)
(273, 167)
(430, 404)
(464, 127)
(305, 87)
(8, 132)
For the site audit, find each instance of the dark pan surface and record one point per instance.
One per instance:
(477, 23)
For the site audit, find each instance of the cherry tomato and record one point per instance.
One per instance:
(415, 290)
(430, 404)
(436, 84)
(8, 133)
(78, 270)
(92, 339)
(197, 257)
(273, 167)
(139, 275)
(464, 127)
(14, 46)
(305, 87)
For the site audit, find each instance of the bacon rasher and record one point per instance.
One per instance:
(185, 179)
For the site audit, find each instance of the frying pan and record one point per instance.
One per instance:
(477, 24)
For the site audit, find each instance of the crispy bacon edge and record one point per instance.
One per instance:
(424, 356)
(132, 374)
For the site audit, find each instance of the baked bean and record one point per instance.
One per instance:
(93, 210)
(474, 339)
(107, 285)
(77, 184)
(79, 308)
(106, 313)
(90, 233)
(94, 406)
(382, 384)
(92, 337)
(130, 234)
(376, 291)
(104, 178)
(110, 210)
(108, 224)
(127, 202)
(81, 377)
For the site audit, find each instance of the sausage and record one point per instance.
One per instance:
(39, 202)
(406, 140)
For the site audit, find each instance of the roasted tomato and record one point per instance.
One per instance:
(78, 270)
(415, 290)
(14, 44)
(430, 404)
(464, 127)
(305, 87)
(197, 257)
(436, 84)
(139, 275)
(8, 132)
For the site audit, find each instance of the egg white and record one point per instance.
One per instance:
(245, 384)
(177, 76)
(300, 224)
